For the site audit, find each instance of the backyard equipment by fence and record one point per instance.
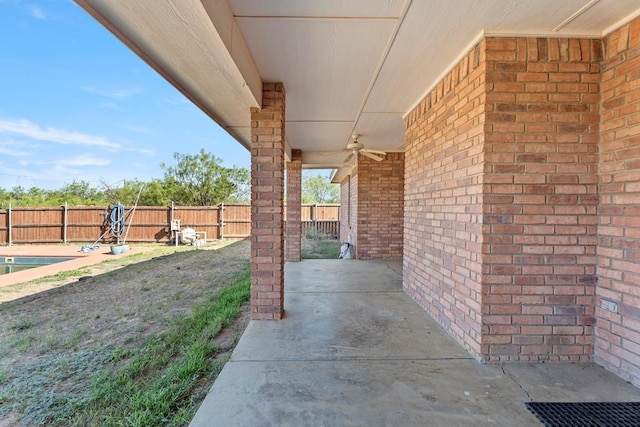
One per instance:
(117, 222)
(152, 224)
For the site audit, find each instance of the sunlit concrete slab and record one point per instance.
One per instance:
(328, 275)
(354, 350)
(363, 325)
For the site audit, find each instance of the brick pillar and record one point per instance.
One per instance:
(294, 207)
(267, 204)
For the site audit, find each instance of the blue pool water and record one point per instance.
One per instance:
(10, 264)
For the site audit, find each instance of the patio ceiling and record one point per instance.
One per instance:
(348, 66)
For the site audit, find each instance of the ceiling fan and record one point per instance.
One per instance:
(357, 147)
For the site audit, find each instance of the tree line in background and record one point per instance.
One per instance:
(194, 180)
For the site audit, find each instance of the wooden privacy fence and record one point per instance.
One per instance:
(146, 224)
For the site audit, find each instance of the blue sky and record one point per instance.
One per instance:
(76, 104)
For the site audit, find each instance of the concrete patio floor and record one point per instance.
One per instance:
(354, 350)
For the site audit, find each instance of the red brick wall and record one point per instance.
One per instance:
(380, 207)
(540, 198)
(293, 209)
(349, 209)
(617, 345)
(443, 196)
(501, 199)
(267, 204)
(345, 198)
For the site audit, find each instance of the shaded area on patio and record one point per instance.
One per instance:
(354, 349)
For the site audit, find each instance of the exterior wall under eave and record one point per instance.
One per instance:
(540, 198)
(442, 253)
(380, 189)
(293, 231)
(519, 258)
(345, 209)
(349, 209)
(617, 342)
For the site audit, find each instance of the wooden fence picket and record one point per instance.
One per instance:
(68, 224)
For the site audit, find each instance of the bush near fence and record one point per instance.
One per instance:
(149, 223)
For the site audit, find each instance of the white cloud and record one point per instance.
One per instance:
(8, 151)
(27, 129)
(139, 165)
(175, 101)
(82, 160)
(36, 11)
(8, 170)
(62, 170)
(115, 93)
(139, 129)
(146, 151)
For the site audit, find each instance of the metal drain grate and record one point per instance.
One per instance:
(589, 414)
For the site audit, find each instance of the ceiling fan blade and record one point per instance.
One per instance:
(349, 157)
(368, 150)
(371, 156)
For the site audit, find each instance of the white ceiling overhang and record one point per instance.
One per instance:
(348, 66)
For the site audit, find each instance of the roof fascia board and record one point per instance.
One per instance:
(234, 71)
(225, 24)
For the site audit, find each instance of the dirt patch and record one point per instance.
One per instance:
(87, 320)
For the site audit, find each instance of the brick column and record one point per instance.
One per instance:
(294, 207)
(267, 204)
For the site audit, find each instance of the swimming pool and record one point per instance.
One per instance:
(12, 264)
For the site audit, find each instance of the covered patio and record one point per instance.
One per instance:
(492, 146)
(355, 350)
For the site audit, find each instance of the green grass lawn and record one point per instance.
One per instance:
(318, 248)
(136, 346)
(159, 384)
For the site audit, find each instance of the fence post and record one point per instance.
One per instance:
(65, 212)
(221, 221)
(314, 217)
(172, 217)
(9, 227)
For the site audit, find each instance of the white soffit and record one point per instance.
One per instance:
(325, 159)
(602, 17)
(318, 136)
(325, 64)
(435, 33)
(348, 66)
(321, 8)
(381, 131)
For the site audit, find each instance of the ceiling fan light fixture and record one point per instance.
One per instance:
(356, 148)
(355, 145)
